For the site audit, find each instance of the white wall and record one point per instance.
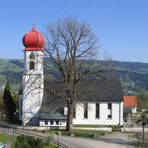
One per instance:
(61, 123)
(134, 109)
(33, 85)
(121, 113)
(103, 120)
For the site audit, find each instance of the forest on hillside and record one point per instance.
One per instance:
(133, 75)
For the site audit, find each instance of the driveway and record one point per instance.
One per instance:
(114, 140)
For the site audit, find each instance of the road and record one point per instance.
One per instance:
(114, 140)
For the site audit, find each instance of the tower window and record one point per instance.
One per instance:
(31, 65)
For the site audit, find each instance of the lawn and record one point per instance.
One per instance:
(3, 138)
(80, 133)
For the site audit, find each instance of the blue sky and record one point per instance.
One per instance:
(120, 25)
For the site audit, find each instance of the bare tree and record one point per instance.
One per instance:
(68, 44)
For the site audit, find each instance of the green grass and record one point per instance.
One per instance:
(114, 127)
(46, 145)
(83, 125)
(3, 138)
(91, 125)
(13, 142)
(81, 133)
(49, 146)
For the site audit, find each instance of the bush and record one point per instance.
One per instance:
(83, 133)
(116, 127)
(28, 142)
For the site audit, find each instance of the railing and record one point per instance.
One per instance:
(15, 131)
(48, 139)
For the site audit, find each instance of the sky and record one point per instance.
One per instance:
(120, 25)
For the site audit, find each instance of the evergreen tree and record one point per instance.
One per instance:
(8, 101)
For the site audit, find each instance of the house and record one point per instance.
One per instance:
(129, 105)
(100, 101)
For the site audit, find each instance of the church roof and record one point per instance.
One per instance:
(90, 90)
(33, 40)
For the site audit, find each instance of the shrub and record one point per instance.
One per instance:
(28, 142)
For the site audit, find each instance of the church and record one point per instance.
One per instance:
(100, 104)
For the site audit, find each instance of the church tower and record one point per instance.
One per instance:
(33, 78)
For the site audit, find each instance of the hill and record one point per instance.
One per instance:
(133, 75)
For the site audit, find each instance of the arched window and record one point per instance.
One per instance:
(31, 65)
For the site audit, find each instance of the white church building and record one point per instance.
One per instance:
(101, 102)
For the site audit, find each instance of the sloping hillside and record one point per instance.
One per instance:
(133, 75)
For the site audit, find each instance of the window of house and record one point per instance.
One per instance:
(85, 110)
(97, 110)
(31, 65)
(57, 122)
(51, 122)
(46, 122)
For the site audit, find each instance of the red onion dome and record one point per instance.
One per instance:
(33, 40)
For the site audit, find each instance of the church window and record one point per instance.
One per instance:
(31, 65)
(57, 122)
(97, 110)
(109, 116)
(74, 112)
(85, 110)
(109, 106)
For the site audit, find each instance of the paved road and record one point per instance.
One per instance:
(114, 140)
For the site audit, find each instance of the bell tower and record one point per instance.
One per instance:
(33, 78)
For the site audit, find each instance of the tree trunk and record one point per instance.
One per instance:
(69, 117)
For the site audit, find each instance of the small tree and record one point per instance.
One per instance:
(8, 101)
(2, 106)
(69, 44)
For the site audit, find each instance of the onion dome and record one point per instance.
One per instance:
(33, 40)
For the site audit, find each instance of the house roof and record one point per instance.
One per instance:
(129, 101)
